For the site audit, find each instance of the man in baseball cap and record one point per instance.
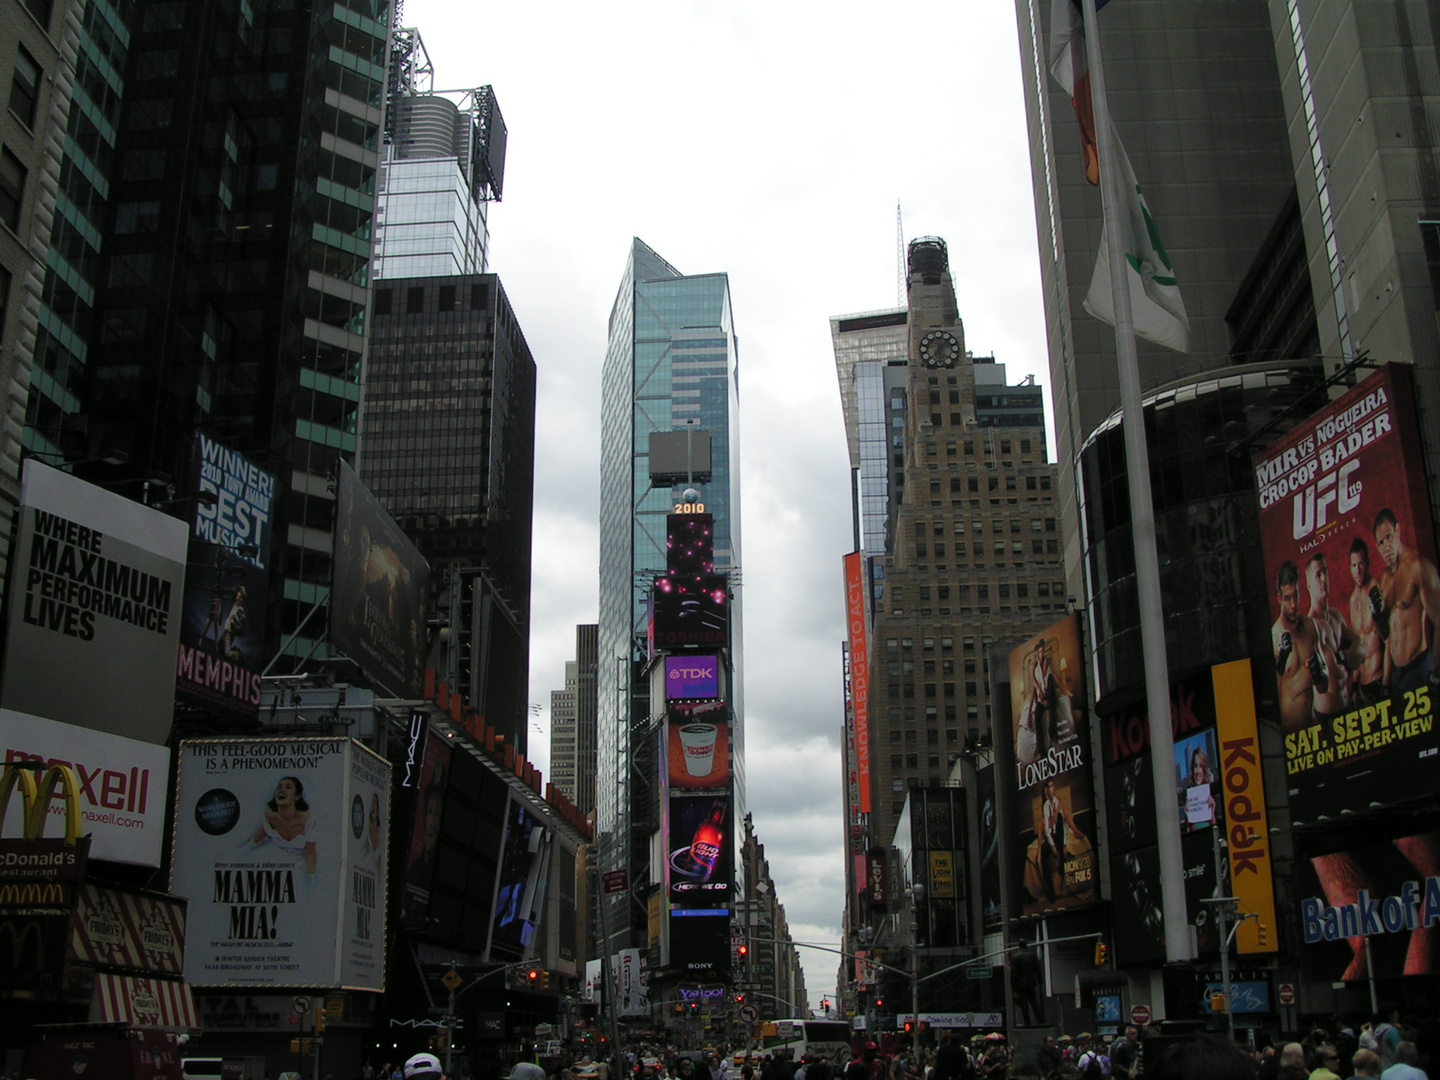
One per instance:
(423, 1067)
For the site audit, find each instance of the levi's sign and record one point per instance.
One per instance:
(691, 678)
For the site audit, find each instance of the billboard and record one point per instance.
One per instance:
(424, 844)
(279, 847)
(852, 771)
(1350, 565)
(127, 929)
(121, 781)
(1246, 822)
(697, 747)
(691, 613)
(381, 585)
(857, 630)
(222, 629)
(700, 849)
(692, 678)
(95, 598)
(1054, 805)
(988, 808)
(1384, 899)
(520, 889)
(689, 544)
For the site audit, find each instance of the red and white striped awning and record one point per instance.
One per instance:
(142, 1002)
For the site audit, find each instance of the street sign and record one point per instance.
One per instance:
(616, 881)
(300, 1006)
(749, 1014)
(978, 969)
(1140, 1015)
(748, 986)
(1286, 993)
(451, 980)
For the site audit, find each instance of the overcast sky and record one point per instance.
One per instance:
(769, 140)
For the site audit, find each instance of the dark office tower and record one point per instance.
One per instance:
(974, 557)
(671, 363)
(1196, 100)
(226, 283)
(572, 723)
(38, 39)
(449, 450)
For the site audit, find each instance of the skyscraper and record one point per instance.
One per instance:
(42, 37)
(442, 164)
(670, 363)
(1196, 100)
(223, 241)
(450, 452)
(572, 723)
(974, 554)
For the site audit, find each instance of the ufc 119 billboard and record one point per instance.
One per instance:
(381, 584)
(1054, 805)
(1354, 595)
(94, 619)
(279, 848)
(857, 631)
(222, 637)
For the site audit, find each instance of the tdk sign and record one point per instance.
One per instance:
(691, 678)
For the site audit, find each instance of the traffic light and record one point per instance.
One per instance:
(1264, 934)
(545, 980)
(744, 951)
(907, 1027)
(320, 1022)
(532, 976)
(879, 1003)
(739, 999)
(1101, 952)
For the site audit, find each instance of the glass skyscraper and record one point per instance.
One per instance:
(671, 360)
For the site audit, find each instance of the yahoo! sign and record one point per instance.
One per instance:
(690, 678)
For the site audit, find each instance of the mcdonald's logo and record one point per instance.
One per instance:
(35, 799)
(33, 894)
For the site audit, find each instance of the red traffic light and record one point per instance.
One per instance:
(533, 975)
(744, 951)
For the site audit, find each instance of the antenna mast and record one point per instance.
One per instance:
(899, 258)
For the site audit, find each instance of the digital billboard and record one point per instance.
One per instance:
(697, 747)
(988, 808)
(222, 632)
(424, 847)
(279, 847)
(700, 850)
(691, 613)
(1054, 805)
(95, 599)
(520, 890)
(380, 588)
(1354, 594)
(857, 632)
(122, 784)
(692, 678)
(689, 544)
(1383, 898)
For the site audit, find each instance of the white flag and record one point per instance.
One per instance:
(1154, 293)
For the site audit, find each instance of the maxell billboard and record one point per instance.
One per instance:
(222, 635)
(857, 635)
(1054, 810)
(94, 619)
(1350, 563)
(280, 849)
(381, 584)
(121, 783)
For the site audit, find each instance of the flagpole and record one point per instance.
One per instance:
(1142, 516)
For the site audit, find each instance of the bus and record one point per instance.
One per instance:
(828, 1039)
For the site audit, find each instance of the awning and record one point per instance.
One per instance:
(166, 1004)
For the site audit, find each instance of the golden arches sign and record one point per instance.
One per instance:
(35, 799)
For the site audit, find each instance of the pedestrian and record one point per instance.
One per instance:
(1048, 1057)
(1208, 1057)
(1292, 1063)
(1327, 1061)
(1123, 1054)
(424, 1067)
(1366, 1063)
(1404, 1068)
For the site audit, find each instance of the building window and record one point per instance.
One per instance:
(447, 298)
(912, 760)
(41, 10)
(4, 296)
(414, 300)
(382, 301)
(25, 87)
(12, 188)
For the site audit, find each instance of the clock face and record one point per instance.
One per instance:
(939, 348)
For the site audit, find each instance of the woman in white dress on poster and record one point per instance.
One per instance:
(289, 825)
